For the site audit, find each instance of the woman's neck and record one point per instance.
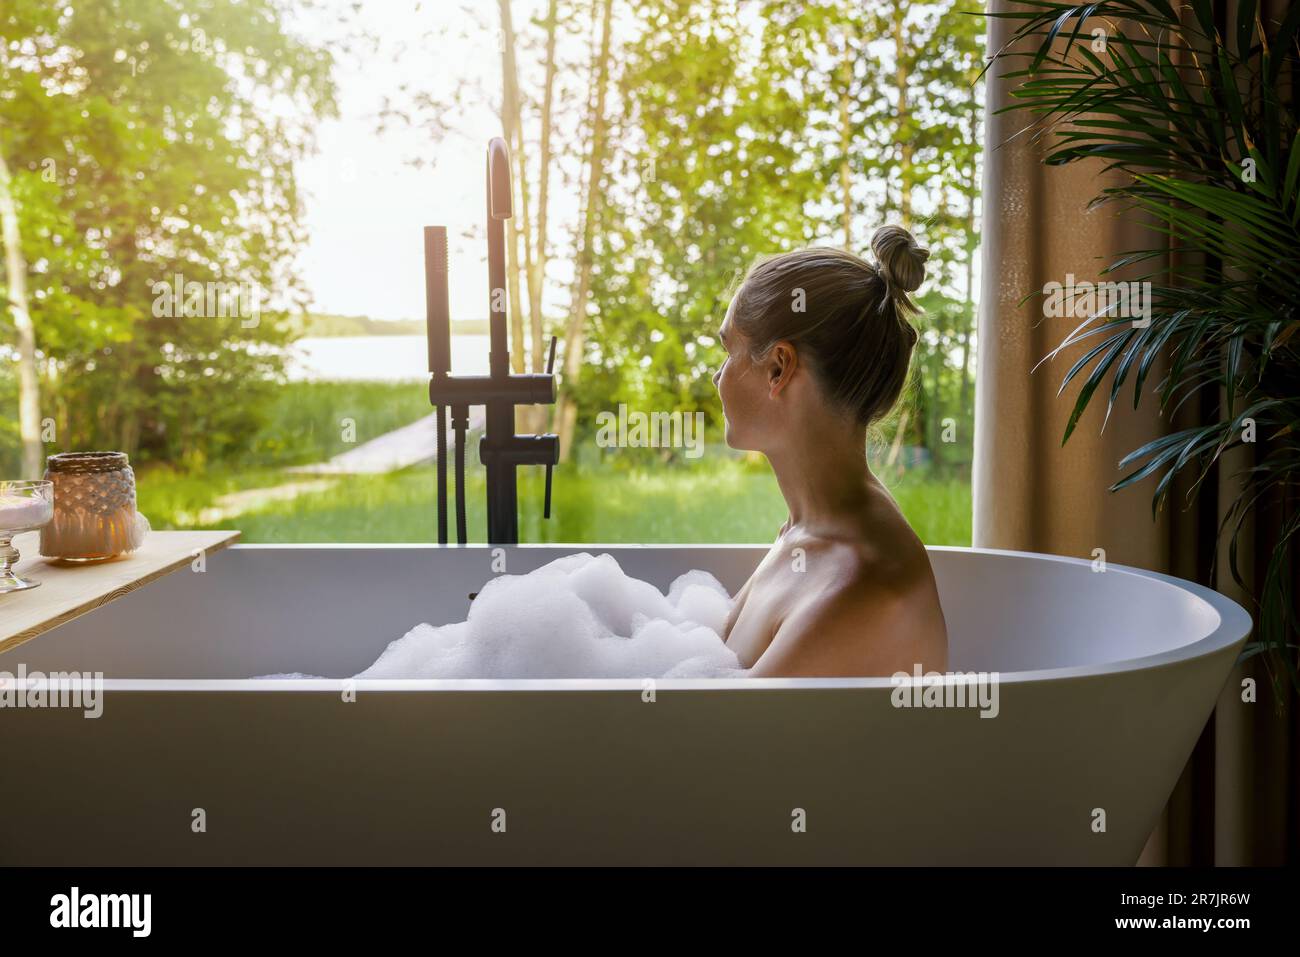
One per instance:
(824, 477)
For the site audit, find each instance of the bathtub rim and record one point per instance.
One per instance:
(1234, 627)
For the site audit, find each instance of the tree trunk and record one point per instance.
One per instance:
(29, 395)
(537, 271)
(972, 188)
(846, 144)
(904, 116)
(524, 216)
(575, 332)
(897, 445)
(528, 228)
(510, 125)
(535, 226)
(529, 418)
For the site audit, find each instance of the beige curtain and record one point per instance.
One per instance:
(1236, 801)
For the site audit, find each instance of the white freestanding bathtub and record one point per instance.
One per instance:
(1106, 680)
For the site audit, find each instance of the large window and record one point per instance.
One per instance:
(219, 210)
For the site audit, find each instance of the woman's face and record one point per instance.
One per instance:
(742, 386)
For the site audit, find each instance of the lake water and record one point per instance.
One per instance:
(390, 358)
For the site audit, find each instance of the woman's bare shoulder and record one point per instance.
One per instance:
(885, 558)
(866, 612)
(843, 635)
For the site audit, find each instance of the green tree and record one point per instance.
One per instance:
(149, 139)
(709, 172)
(737, 136)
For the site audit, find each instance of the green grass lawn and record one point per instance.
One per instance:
(728, 501)
(714, 499)
(308, 420)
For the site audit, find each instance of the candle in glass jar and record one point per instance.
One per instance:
(94, 512)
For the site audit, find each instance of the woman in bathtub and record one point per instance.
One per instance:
(818, 344)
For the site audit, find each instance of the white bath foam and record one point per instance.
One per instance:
(578, 617)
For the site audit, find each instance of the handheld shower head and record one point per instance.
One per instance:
(436, 299)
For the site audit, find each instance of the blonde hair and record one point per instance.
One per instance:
(853, 328)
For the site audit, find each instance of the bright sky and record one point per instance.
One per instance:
(366, 206)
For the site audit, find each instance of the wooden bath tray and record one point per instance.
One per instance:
(68, 591)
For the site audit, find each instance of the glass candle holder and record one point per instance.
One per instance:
(23, 507)
(95, 518)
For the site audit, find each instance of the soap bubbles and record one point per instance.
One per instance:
(578, 617)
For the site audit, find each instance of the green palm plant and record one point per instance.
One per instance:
(1199, 116)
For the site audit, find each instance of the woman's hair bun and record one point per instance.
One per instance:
(900, 258)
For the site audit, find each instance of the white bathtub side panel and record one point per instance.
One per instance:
(702, 777)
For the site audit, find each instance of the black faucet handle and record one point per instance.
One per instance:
(550, 365)
(551, 443)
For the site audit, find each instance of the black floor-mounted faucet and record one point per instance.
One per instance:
(500, 450)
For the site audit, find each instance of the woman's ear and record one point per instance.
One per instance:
(783, 359)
